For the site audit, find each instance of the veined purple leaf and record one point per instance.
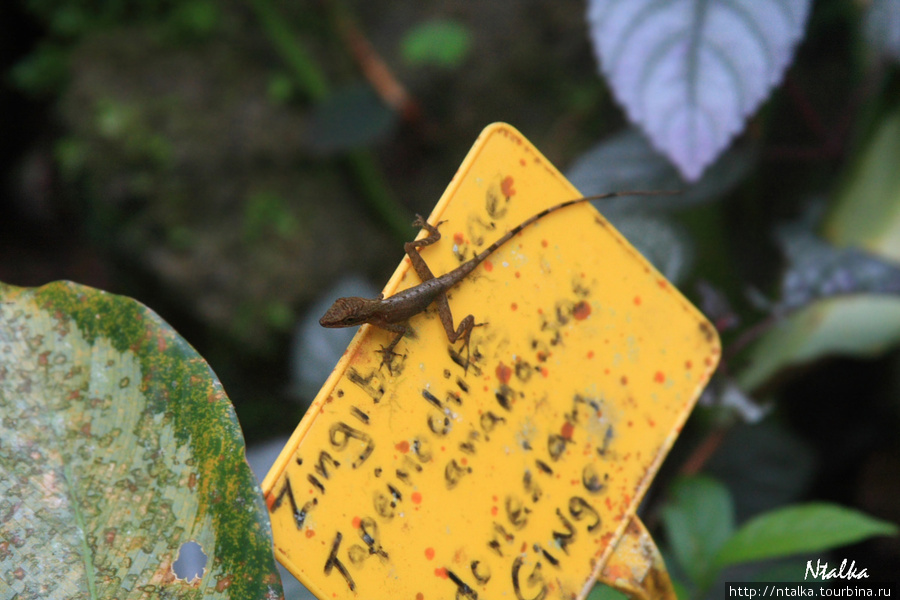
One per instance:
(689, 72)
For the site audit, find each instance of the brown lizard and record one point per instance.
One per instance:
(394, 312)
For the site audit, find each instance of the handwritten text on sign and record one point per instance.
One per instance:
(507, 475)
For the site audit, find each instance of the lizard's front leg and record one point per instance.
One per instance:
(412, 248)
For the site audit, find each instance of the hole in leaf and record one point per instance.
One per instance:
(191, 562)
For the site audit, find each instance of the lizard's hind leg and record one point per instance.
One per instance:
(463, 331)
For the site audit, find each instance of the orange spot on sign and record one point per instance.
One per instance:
(503, 373)
(429, 553)
(581, 311)
(506, 186)
(402, 446)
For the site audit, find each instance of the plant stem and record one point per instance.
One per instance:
(361, 163)
(378, 197)
(286, 42)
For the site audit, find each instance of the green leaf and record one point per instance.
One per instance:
(43, 72)
(627, 161)
(350, 117)
(442, 43)
(118, 446)
(862, 325)
(604, 592)
(867, 210)
(195, 19)
(698, 519)
(812, 527)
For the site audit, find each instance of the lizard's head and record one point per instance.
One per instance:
(348, 312)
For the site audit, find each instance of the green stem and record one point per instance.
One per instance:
(361, 163)
(285, 41)
(378, 197)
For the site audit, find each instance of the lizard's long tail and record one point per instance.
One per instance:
(469, 266)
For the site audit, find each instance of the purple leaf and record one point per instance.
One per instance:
(689, 72)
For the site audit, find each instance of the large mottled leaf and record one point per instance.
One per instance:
(882, 26)
(118, 447)
(689, 72)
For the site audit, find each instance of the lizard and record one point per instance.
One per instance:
(394, 312)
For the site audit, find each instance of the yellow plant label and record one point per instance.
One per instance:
(512, 471)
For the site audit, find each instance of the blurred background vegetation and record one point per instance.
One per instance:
(230, 163)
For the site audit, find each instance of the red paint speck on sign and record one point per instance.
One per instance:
(356, 522)
(582, 311)
(488, 265)
(513, 306)
(506, 186)
(567, 430)
(503, 373)
(429, 553)
(544, 243)
(637, 300)
(402, 446)
(310, 533)
(441, 572)
(659, 377)
(416, 498)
